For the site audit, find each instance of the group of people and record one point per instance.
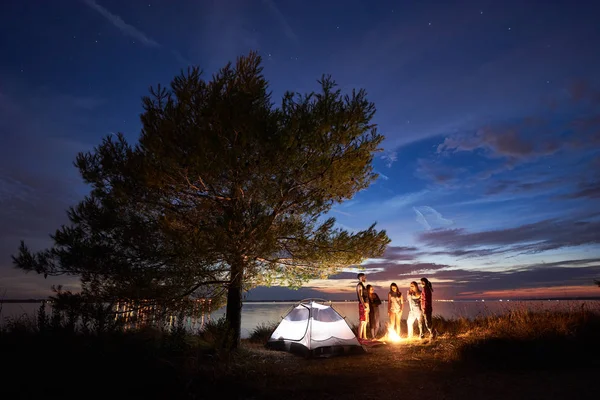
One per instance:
(419, 301)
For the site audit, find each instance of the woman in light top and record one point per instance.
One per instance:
(414, 303)
(395, 307)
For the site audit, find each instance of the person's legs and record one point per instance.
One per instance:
(410, 322)
(373, 328)
(363, 327)
(428, 317)
(362, 322)
(392, 321)
(367, 322)
(398, 319)
(420, 319)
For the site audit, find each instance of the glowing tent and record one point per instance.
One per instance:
(314, 328)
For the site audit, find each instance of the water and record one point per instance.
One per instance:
(257, 313)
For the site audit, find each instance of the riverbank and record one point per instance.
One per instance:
(425, 370)
(516, 356)
(386, 372)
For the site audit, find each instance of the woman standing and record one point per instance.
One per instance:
(414, 303)
(374, 303)
(427, 306)
(395, 307)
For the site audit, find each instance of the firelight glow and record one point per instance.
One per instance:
(392, 336)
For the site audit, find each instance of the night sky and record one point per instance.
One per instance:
(490, 176)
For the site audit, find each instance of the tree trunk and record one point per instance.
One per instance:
(233, 315)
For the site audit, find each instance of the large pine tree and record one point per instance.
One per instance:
(225, 190)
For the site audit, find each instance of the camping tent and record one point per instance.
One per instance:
(314, 328)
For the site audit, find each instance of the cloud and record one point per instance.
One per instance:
(516, 187)
(335, 210)
(578, 127)
(548, 292)
(18, 285)
(428, 215)
(550, 234)
(230, 21)
(287, 29)
(535, 278)
(586, 190)
(31, 207)
(530, 280)
(525, 280)
(402, 201)
(180, 58)
(397, 263)
(379, 274)
(400, 253)
(382, 176)
(588, 185)
(534, 156)
(499, 143)
(390, 157)
(42, 134)
(87, 103)
(439, 173)
(124, 27)
(582, 90)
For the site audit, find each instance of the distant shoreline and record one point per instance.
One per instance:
(13, 301)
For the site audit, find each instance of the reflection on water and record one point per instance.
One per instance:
(257, 313)
(143, 313)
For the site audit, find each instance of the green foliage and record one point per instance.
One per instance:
(524, 322)
(19, 325)
(79, 312)
(262, 333)
(224, 191)
(135, 363)
(535, 340)
(216, 332)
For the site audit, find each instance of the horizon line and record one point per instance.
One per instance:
(36, 300)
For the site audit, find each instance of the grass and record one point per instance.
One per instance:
(525, 338)
(263, 332)
(542, 352)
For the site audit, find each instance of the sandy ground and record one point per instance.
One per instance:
(421, 369)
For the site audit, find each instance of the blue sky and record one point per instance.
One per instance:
(489, 179)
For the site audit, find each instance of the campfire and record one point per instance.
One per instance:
(392, 336)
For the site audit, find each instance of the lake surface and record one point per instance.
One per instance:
(257, 313)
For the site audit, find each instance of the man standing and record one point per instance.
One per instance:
(363, 306)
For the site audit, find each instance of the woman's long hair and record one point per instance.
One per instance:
(416, 286)
(397, 293)
(427, 284)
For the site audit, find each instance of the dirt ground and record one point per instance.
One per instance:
(421, 369)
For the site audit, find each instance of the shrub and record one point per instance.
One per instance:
(263, 332)
(524, 338)
(214, 332)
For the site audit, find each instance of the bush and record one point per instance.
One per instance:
(215, 333)
(532, 339)
(262, 333)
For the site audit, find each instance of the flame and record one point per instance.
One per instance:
(392, 336)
